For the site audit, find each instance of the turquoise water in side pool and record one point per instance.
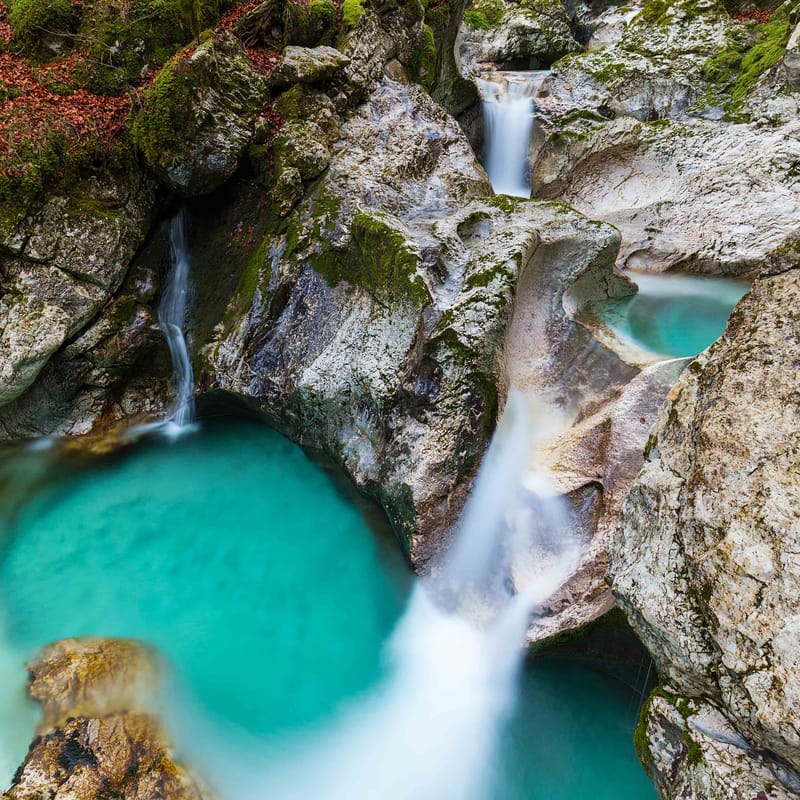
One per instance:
(271, 597)
(674, 315)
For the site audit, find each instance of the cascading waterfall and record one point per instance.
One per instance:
(172, 318)
(431, 731)
(508, 115)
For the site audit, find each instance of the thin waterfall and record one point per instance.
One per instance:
(172, 319)
(431, 731)
(508, 116)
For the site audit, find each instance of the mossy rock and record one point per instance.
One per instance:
(734, 72)
(43, 26)
(380, 260)
(484, 14)
(302, 146)
(424, 66)
(352, 11)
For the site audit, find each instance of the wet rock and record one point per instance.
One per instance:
(599, 458)
(97, 739)
(307, 65)
(791, 60)
(91, 678)
(375, 329)
(692, 752)
(632, 134)
(526, 35)
(704, 561)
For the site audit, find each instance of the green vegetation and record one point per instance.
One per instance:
(33, 20)
(735, 71)
(352, 11)
(424, 66)
(484, 14)
(166, 108)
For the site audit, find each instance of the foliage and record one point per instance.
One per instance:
(424, 66)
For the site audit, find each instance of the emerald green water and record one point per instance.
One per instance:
(271, 598)
(674, 315)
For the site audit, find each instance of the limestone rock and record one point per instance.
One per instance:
(695, 196)
(692, 752)
(375, 329)
(307, 65)
(61, 260)
(528, 35)
(630, 135)
(197, 119)
(91, 678)
(97, 739)
(704, 561)
(594, 463)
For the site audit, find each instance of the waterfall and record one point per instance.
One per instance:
(172, 318)
(431, 730)
(508, 115)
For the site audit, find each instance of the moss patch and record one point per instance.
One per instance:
(352, 11)
(735, 71)
(33, 20)
(484, 14)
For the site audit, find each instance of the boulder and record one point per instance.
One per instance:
(98, 738)
(692, 752)
(704, 561)
(307, 65)
(197, 118)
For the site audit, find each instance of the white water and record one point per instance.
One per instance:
(172, 318)
(508, 116)
(431, 731)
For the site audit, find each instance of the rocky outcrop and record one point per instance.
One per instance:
(373, 323)
(97, 738)
(520, 35)
(680, 131)
(692, 752)
(197, 119)
(704, 562)
(593, 464)
(61, 261)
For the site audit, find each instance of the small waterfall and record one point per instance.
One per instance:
(508, 115)
(432, 730)
(172, 318)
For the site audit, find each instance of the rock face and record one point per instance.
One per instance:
(681, 132)
(523, 35)
(96, 741)
(61, 262)
(704, 562)
(197, 119)
(692, 752)
(374, 326)
(594, 463)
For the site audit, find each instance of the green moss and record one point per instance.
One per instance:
(309, 23)
(736, 70)
(379, 258)
(352, 11)
(166, 107)
(31, 20)
(484, 14)
(424, 64)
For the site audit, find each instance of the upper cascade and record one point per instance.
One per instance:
(509, 112)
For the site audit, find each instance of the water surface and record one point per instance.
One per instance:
(271, 597)
(674, 315)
